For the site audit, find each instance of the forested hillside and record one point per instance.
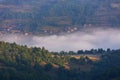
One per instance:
(23, 63)
(57, 16)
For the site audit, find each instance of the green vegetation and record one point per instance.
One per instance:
(15, 54)
(23, 63)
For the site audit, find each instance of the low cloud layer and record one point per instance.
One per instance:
(96, 38)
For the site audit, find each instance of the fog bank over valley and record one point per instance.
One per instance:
(88, 39)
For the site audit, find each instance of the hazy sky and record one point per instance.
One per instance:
(96, 38)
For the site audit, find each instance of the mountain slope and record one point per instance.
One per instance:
(23, 63)
(57, 16)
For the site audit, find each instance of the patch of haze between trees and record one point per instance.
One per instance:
(86, 39)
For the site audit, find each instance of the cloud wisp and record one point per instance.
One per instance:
(96, 38)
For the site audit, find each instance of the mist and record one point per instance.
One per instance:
(88, 39)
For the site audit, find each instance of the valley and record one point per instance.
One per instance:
(59, 39)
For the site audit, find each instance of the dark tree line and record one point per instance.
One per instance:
(23, 63)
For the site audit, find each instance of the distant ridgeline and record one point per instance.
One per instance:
(57, 16)
(23, 63)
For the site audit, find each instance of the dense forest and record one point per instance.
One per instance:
(19, 62)
(57, 16)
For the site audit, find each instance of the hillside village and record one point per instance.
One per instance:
(56, 16)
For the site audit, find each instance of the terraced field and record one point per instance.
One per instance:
(57, 16)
